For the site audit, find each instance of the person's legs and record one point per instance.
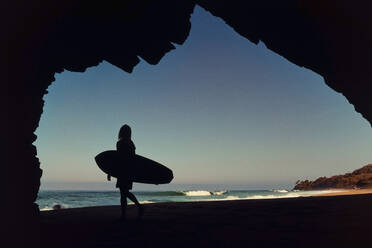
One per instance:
(134, 199)
(123, 202)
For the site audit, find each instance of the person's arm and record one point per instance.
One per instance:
(133, 146)
(117, 146)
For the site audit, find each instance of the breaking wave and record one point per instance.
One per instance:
(142, 202)
(181, 193)
(203, 192)
(280, 190)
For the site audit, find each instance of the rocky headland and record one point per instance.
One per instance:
(360, 178)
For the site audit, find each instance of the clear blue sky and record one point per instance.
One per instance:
(218, 109)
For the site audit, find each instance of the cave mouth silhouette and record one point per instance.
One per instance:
(331, 39)
(84, 79)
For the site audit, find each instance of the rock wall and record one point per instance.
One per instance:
(43, 37)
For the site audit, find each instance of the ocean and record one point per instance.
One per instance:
(47, 199)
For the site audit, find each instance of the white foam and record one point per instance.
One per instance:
(219, 192)
(317, 192)
(288, 194)
(229, 198)
(203, 192)
(280, 190)
(252, 197)
(46, 209)
(141, 202)
(197, 193)
(62, 206)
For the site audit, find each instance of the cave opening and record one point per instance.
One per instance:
(262, 112)
(332, 39)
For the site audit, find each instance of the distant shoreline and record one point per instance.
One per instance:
(347, 192)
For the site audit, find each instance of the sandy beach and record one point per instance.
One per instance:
(348, 192)
(324, 221)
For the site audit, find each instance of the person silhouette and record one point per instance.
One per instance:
(126, 148)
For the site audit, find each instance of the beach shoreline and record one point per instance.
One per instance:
(317, 221)
(49, 200)
(339, 192)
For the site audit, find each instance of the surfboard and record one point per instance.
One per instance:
(137, 169)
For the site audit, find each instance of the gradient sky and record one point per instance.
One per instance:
(218, 109)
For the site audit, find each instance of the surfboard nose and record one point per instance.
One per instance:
(171, 176)
(168, 177)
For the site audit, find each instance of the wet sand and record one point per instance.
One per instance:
(326, 221)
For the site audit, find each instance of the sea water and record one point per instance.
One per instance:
(47, 199)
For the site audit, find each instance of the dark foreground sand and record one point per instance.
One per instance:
(327, 221)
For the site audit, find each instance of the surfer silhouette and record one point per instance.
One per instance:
(126, 149)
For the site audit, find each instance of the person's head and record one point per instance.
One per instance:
(125, 132)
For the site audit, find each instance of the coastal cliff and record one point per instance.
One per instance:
(360, 178)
